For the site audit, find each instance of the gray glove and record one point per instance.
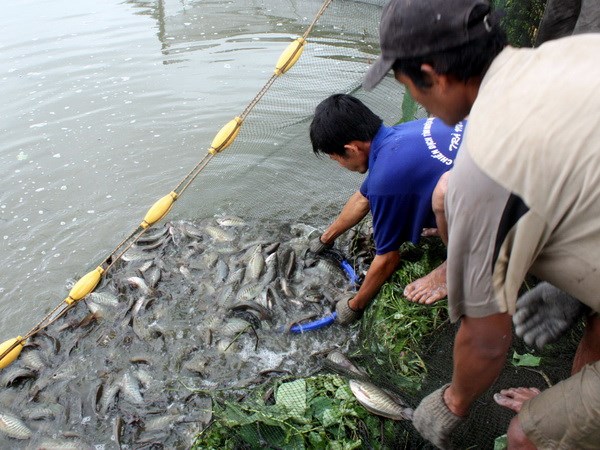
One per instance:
(434, 420)
(345, 314)
(545, 313)
(316, 246)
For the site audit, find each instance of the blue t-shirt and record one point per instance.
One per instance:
(405, 163)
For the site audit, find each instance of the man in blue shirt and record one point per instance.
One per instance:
(404, 189)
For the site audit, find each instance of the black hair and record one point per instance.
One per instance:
(340, 119)
(463, 62)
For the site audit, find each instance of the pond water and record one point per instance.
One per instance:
(107, 106)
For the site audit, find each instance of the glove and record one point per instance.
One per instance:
(316, 246)
(545, 313)
(434, 420)
(345, 314)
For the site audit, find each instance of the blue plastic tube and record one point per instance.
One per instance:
(329, 319)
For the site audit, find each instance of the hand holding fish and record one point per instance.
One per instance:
(545, 313)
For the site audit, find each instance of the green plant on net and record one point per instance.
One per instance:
(397, 328)
(318, 412)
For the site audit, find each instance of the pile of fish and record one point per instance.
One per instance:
(193, 308)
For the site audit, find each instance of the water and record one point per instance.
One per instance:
(107, 105)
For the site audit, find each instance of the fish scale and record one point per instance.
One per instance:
(14, 427)
(378, 402)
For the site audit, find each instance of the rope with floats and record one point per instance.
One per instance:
(11, 349)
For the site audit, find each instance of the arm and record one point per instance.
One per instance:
(355, 209)
(480, 350)
(381, 268)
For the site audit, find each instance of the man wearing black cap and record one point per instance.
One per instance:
(523, 196)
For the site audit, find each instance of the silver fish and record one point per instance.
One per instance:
(33, 360)
(288, 263)
(222, 270)
(234, 326)
(255, 264)
(107, 397)
(192, 231)
(131, 390)
(48, 411)
(140, 284)
(152, 276)
(231, 221)
(155, 235)
(248, 292)
(13, 374)
(103, 298)
(337, 360)
(14, 427)
(61, 444)
(378, 402)
(271, 268)
(218, 234)
(196, 364)
(137, 254)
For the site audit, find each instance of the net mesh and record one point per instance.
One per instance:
(270, 177)
(408, 360)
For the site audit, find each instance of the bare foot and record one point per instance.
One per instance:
(514, 398)
(430, 288)
(427, 232)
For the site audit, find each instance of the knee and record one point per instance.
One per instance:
(439, 195)
(516, 436)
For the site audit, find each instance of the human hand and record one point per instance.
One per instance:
(345, 314)
(316, 246)
(434, 420)
(545, 313)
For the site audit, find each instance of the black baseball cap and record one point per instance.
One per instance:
(412, 28)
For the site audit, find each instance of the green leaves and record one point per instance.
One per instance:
(317, 413)
(527, 360)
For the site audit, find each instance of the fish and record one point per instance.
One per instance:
(218, 234)
(191, 231)
(231, 221)
(260, 310)
(154, 236)
(103, 298)
(14, 427)
(379, 402)
(137, 254)
(255, 264)
(248, 292)
(222, 270)
(14, 374)
(48, 443)
(288, 263)
(130, 389)
(271, 268)
(336, 360)
(234, 326)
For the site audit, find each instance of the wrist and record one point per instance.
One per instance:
(327, 238)
(454, 404)
(355, 305)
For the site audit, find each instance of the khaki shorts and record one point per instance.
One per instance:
(567, 415)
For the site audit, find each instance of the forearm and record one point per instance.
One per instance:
(355, 209)
(480, 350)
(382, 267)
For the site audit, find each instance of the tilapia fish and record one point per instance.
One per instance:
(378, 402)
(338, 362)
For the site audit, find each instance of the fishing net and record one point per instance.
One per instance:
(230, 383)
